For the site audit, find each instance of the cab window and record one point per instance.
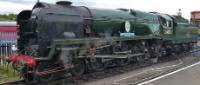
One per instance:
(169, 23)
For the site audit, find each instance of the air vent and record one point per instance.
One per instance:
(64, 3)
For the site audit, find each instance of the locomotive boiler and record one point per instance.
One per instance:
(56, 39)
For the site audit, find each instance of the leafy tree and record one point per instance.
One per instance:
(8, 17)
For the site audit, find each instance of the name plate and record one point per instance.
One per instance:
(127, 34)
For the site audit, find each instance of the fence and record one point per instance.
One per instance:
(7, 39)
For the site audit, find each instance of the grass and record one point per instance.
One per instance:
(7, 73)
(4, 19)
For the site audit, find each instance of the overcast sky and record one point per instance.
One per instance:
(163, 6)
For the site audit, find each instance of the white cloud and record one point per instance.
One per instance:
(19, 1)
(7, 7)
(12, 6)
(164, 6)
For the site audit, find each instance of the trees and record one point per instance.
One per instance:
(8, 17)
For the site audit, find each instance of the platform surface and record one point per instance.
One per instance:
(189, 75)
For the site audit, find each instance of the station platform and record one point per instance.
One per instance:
(189, 75)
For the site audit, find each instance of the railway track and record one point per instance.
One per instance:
(88, 77)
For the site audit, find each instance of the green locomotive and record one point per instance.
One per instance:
(55, 39)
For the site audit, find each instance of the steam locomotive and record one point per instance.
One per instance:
(57, 39)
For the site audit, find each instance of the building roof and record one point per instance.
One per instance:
(8, 27)
(195, 12)
(195, 15)
(6, 23)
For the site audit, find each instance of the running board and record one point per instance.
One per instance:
(123, 52)
(115, 56)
